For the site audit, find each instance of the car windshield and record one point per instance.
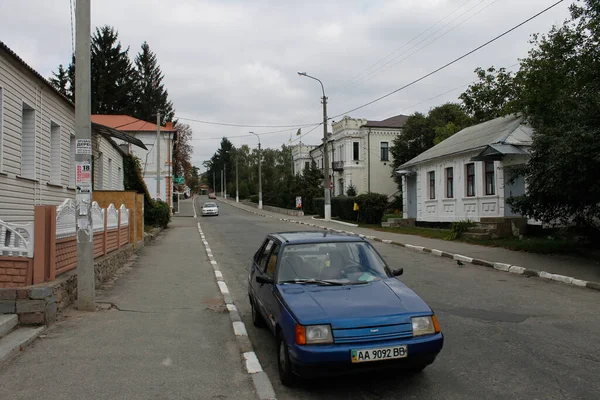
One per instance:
(209, 205)
(344, 263)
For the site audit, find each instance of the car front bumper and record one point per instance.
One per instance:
(330, 360)
(207, 213)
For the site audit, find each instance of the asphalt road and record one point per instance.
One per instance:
(506, 337)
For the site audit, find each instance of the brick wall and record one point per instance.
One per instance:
(15, 271)
(112, 240)
(66, 254)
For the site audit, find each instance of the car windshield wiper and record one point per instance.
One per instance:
(314, 281)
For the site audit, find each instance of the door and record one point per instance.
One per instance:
(265, 266)
(411, 196)
(514, 188)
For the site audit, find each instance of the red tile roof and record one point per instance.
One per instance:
(127, 124)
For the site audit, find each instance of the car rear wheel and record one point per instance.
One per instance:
(257, 319)
(286, 375)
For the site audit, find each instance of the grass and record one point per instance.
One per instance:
(386, 217)
(539, 245)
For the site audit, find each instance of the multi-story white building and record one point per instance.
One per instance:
(359, 155)
(301, 157)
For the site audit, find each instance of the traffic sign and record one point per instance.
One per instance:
(330, 184)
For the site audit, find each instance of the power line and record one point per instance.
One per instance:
(450, 63)
(246, 126)
(248, 135)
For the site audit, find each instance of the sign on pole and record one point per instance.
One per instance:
(298, 202)
(83, 146)
(83, 179)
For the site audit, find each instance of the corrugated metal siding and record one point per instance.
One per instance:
(18, 196)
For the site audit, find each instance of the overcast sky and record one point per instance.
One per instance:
(236, 61)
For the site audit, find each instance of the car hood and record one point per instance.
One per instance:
(384, 302)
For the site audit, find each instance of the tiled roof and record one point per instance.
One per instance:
(394, 122)
(509, 130)
(126, 123)
(18, 59)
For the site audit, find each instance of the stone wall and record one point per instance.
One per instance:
(39, 304)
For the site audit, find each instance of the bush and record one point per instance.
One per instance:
(318, 206)
(157, 214)
(351, 192)
(372, 206)
(254, 198)
(244, 192)
(458, 228)
(396, 205)
(343, 208)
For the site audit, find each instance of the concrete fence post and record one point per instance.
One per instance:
(105, 235)
(119, 228)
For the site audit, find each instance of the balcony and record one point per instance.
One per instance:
(337, 165)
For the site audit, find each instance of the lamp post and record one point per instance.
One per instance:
(327, 182)
(237, 187)
(260, 203)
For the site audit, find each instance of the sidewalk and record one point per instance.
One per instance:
(578, 268)
(167, 335)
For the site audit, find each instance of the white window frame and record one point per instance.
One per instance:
(27, 174)
(55, 170)
(110, 174)
(100, 175)
(388, 150)
(1, 129)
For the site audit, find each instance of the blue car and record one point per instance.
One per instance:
(335, 307)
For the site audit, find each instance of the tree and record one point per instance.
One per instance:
(149, 92)
(421, 132)
(60, 80)
(222, 159)
(559, 92)
(182, 152)
(113, 76)
(493, 96)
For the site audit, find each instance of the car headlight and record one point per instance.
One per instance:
(313, 334)
(425, 325)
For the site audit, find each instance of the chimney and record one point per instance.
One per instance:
(169, 126)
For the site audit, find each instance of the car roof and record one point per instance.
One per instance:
(303, 237)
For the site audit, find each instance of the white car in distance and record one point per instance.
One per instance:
(210, 209)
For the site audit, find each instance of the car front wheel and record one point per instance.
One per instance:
(286, 375)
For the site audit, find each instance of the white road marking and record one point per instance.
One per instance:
(239, 329)
(219, 275)
(459, 257)
(231, 307)
(252, 364)
(223, 287)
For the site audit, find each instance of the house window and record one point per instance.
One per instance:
(27, 142)
(72, 161)
(1, 126)
(306, 165)
(449, 182)
(470, 180)
(120, 177)
(432, 185)
(55, 153)
(490, 186)
(110, 175)
(355, 153)
(385, 151)
(100, 176)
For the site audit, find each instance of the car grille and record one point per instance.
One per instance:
(372, 334)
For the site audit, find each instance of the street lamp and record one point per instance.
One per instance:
(260, 203)
(327, 212)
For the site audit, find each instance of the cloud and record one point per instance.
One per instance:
(237, 61)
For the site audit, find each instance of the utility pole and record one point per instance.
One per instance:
(158, 156)
(221, 183)
(86, 280)
(225, 179)
(260, 203)
(237, 188)
(326, 166)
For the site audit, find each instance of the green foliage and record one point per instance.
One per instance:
(458, 228)
(372, 206)
(421, 132)
(243, 189)
(342, 207)
(157, 214)
(351, 192)
(149, 90)
(493, 96)
(559, 92)
(318, 206)
(132, 176)
(254, 198)
(397, 204)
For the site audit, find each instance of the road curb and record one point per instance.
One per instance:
(260, 380)
(514, 269)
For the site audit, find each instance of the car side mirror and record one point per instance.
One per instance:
(398, 272)
(263, 280)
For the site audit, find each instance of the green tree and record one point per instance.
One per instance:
(112, 74)
(492, 97)
(222, 159)
(149, 92)
(559, 92)
(60, 80)
(446, 120)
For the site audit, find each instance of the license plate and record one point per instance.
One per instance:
(382, 353)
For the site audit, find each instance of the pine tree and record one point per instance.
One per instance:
(113, 76)
(60, 80)
(150, 93)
